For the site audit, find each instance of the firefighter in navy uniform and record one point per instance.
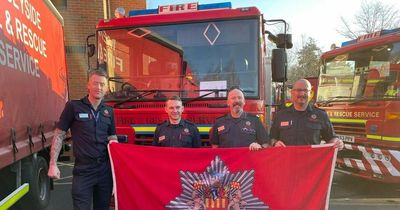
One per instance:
(92, 127)
(176, 132)
(238, 128)
(302, 123)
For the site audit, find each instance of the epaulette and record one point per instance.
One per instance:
(315, 107)
(252, 115)
(221, 116)
(189, 122)
(161, 123)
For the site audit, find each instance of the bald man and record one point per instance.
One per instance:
(238, 128)
(302, 123)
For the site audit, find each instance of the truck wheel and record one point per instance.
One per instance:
(34, 172)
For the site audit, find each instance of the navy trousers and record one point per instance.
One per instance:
(92, 181)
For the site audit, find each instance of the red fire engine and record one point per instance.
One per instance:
(194, 51)
(359, 87)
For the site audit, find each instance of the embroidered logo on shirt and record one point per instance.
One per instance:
(186, 130)
(285, 123)
(248, 123)
(161, 138)
(221, 128)
(248, 130)
(83, 115)
(313, 118)
(106, 113)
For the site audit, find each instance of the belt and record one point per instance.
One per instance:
(91, 160)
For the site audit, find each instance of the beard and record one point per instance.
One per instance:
(237, 107)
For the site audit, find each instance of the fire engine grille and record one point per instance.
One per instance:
(350, 129)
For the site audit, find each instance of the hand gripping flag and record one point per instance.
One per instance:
(178, 178)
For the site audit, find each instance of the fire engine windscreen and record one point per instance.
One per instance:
(368, 74)
(186, 59)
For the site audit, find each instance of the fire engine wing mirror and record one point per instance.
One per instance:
(281, 40)
(90, 50)
(278, 65)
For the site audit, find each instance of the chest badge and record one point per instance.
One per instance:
(83, 115)
(248, 123)
(221, 128)
(106, 113)
(313, 116)
(186, 130)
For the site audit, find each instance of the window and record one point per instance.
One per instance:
(60, 4)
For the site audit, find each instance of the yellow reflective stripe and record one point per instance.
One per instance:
(144, 129)
(374, 137)
(385, 138)
(14, 197)
(388, 138)
(373, 81)
(204, 129)
(341, 120)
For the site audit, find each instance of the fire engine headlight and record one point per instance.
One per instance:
(393, 115)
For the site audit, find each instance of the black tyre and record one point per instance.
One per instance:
(34, 172)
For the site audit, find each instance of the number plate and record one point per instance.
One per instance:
(345, 138)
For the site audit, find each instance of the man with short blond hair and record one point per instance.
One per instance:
(176, 132)
(92, 127)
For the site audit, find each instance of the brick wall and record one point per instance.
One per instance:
(80, 19)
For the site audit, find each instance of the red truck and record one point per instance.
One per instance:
(194, 51)
(33, 92)
(359, 87)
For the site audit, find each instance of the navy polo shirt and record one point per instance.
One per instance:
(183, 134)
(89, 128)
(238, 132)
(302, 127)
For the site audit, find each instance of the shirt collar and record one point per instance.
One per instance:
(242, 116)
(85, 100)
(181, 123)
(308, 109)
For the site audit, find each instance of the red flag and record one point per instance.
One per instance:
(177, 178)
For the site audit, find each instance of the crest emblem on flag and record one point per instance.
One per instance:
(217, 188)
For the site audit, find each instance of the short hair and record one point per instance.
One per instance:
(234, 88)
(174, 98)
(98, 73)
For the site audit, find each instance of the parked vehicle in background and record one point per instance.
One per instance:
(194, 51)
(33, 92)
(359, 87)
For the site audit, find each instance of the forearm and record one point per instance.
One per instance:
(56, 145)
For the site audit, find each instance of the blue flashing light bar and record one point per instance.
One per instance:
(378, 34)
(392, 31)
(200, 7)
(142, 12)
(215, 6)
(349, 42)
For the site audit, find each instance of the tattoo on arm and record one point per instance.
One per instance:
(59, 136)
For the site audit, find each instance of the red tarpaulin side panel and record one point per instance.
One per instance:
(177, 178)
